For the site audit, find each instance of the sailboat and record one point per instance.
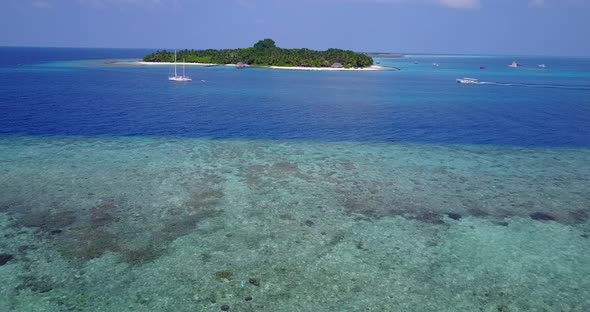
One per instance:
(176, 77)
(514, 65)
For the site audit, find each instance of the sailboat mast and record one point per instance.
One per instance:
(175, 74)
(183, 75)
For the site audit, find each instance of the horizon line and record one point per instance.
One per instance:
(366, 52)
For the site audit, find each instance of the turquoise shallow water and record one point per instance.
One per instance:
(266, 190)
(159, 224)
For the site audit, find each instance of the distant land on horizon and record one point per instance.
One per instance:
(371, 53)
(384, 54)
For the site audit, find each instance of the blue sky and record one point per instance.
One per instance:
(535, 27)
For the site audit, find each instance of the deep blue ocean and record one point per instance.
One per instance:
(58, 91)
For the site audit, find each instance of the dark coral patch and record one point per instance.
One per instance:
(38, 284)
(287, 217)
(501, 223)
(478, 212)
(429, 217)
(56, 231)
(46, 220)
(454, 216)
(5, 258)
(541, 216)
(103, 213)
(206, 257)
(88, 243)
(204, 199)
(141, 255)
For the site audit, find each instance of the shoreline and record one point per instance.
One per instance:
(370, 68)
(170, 63)
(141, 63)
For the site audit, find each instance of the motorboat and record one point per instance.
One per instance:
(514, 65)
(468, 80)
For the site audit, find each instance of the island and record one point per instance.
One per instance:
(265, 53)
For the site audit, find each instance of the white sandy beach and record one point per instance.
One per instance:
(371, 68)
(170, 63)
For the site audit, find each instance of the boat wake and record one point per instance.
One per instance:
(528, 85)
(533, 85)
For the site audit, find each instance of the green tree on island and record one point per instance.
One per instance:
(266, 53)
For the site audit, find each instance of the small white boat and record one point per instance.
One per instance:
(541, 66)
(468, 80)
(180, 78)
(514, 65)
(435, 64)
(176, 77)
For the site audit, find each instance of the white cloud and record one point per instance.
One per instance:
(40, 4)
(461, 4)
